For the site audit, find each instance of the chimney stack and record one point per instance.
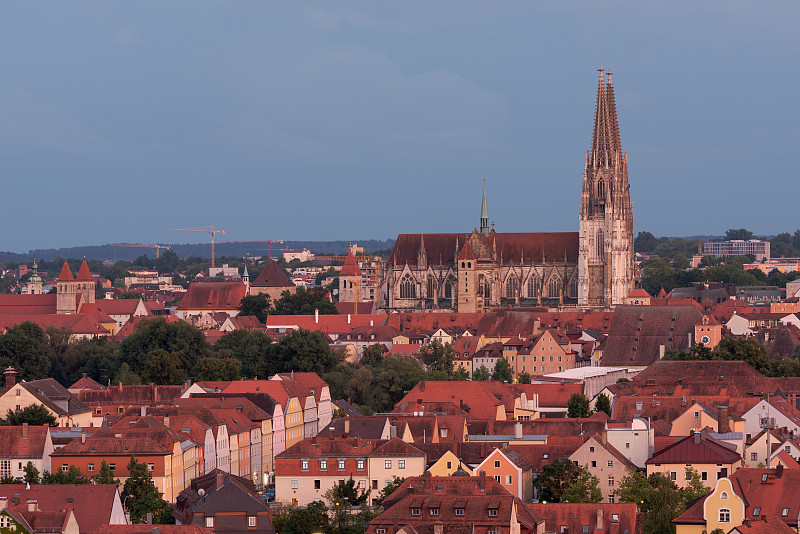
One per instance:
(33, 506)
(517, 430)
(779, 471)
(83, 438)
(661, 352)
(24, 430)
(348, 318)
(316, 316)
(346, 425)
(220, 478)
(482, 481)
(11, 377)
(599, 525)
(3, 503)
(143, 411)
(166, 421)
(697, 438)
(723, 425)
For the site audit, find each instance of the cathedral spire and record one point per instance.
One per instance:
(606, 146)
(484, 212)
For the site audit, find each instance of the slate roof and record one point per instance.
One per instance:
(272, 275)
(367, 427)
(56, 397)
(637, 332)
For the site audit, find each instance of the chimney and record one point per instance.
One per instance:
(517, 430)
(120, 385)
(166, 421)
(155, 530)
(346, 425)
(438, 528)
(599, 525)
(84, 375)
(482, 480)
(33, 506)
(149, 518)
(689, 338)
(697, 438)
(779, 471)
(330, 432)
(143, 411)
(24, 430)
(661, 352)
(371, 322)
(348, 318)
(316, 316)
(83, 438)
(723, 425)
(220, 478)
(11, 377)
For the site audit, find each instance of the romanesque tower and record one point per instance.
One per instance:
(85, 284)
(605, 258)
(66, 290)
(351, 288)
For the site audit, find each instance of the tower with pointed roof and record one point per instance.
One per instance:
(85, 284)
(484, 213)
(35, 281)
(351, 288)
(66, 291)
(246, 279)
(605, 228)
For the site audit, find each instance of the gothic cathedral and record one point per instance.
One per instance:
(478, 271)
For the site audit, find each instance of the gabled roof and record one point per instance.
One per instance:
(76, 323)
(28, 304)
(13, 445)
(272, 276)
(40, 521)
(55, 396)
(577, 515)
(695, 449)
(213, 296)
(86, 382)
(638, 292)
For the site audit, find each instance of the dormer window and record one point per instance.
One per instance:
(434, 512)
(415, 512)
(784, 512)
(493, 512)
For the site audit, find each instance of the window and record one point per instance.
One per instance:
(627, 445)
(64, 468)
(599, 245)
(431, 289)
(788, 449)
(449, 465)
(756, 511)
(753, 456)
(362, 484)
(359, 464)
(533, 287)
(497, 478)
(113, 467)
(784, 512)
(317, 484)
(323, 465)
(374, 484)
(90, 468)
(554, 288)
(401, 464)
(724, 495)
(615, 518)
(459, 512)
(497, 464)
(594, 463)
(304, 465)
(704, 475)
(591, 449)
(696, 415)
(611, 463)
(673, 475)
(380, 530)
(493, 512)
(724, 515)
(512, 287)
(151, 467)
(434, 512)
(509, 479)
(251, 520)
(415, 512)
(294, 484)
(610, 481)
(209, 522)
(611, 499)
(387, 464)
(341, 465)
(407, 288)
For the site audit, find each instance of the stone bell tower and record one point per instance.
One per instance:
(605, 253)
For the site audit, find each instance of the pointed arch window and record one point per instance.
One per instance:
(431, 288)
(450, 288)
(533, 287)
(407, 287)
(512, 287)
(554, 288)
(573, 288)
(600, 244)
(601, 189)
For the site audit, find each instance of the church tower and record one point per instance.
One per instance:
(484, 213)
(35, 281)
(66, 291)
(605, 254)
(85, 284)
(350, 281)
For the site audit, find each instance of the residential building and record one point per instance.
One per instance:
(22, 444)
(60, 403)
(588, 517)
(711, 459)
(604, 461)
(509, 469)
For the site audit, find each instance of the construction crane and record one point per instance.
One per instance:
(268, 242)
(213, 232)
(140, 245)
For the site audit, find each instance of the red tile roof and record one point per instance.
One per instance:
(551, 395)
(350, 267)
(13, 445)
(213, 296)
(84, 275)
(695, 449)
(273, 275)
(27, 304)
(78, 324)
(117, 306)
(66, 274)
(471, 397)
(147, 529)
(576, 515)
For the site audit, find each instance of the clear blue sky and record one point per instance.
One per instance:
(302, 120)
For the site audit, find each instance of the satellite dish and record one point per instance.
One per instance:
(201, 492)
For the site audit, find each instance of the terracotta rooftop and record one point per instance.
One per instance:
(84, 275)
(66, 274)
(350, 267)
(212, 296)
(32, 445)
(601, 518)
(695, 449)
(273, 275)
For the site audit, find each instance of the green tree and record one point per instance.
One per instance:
(31, 474)
(388, 489)
(460, 373)
(71, 476)
(105, 475)
(740, 234)
(180, 339)
(305, 351)
(346, 493)
(8, 479)
(168, 262)
(253, 349)
(578, 406)
(162, 368)
(524, 377)
(603, 404)
(645, 242)
(257, 305)
(658, 497)
(142, 496)
(584, 489)
(372, 355)
(438, 356)
(305, 302)
(33, 414)
(129, 295)
(127, 377)
(217, 369)
(502, 371)
(26, 348)
(481, 374)
(555, 478)
(294, 520)
(695, 489)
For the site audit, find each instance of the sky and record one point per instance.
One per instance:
(361, 120)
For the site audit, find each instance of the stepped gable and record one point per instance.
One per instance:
(638, 332)
(84, 275)
(273, 275)
(350, 267)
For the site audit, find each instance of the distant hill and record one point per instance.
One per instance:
(202, 250)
